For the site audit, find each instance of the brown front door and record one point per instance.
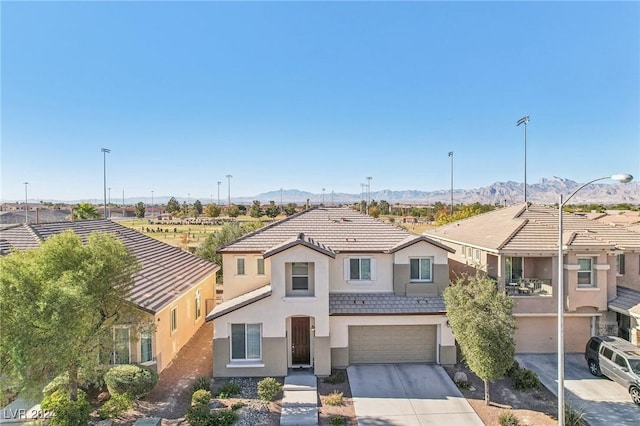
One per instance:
(300, 347)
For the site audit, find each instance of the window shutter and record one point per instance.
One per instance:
(346, 269)
(374, 270)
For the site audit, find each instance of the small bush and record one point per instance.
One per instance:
(115, 406)
(268, 388)
(508, 418)
(201, 397)
(224, 418)
(67, 412)
(201, 382)
(573, 416)
(337, 420)
(135, 380)
(228, 390)
(463, 384)
(338, 376)
(86, 381)
(237, 405)
(334, 398)
(199, 415)
(524, 379)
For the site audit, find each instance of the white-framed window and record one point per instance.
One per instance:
(300, 276)
(360, 268)
(464, 251)
(240, 266)
(420, 269)
(585, 272)
(121, 345)
(246, 342)
(198, 300)
(620, 264)
(477, 255)
(514, 268)
(146, 346)
(469, 254)
(260, 266)
(174, 319)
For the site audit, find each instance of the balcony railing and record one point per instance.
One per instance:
(529, 287)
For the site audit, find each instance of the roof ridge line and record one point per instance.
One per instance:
(513, 234)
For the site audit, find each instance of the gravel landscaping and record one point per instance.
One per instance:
(255, 411)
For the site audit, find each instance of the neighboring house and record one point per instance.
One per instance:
(518, 247)
(173, 289)
(330, 287)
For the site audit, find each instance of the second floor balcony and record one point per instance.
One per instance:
(529, 287)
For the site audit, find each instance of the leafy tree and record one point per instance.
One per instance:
(197, 208)
(59, 304)
(184, 209)
(233, 211)
(384, 207)
(255, 210)
(173, 206)
(140, 210)
(483, 325)
(464, 212)
(84, 211)
(212, 210)
(228, 233)
(374, 211)
(272, 210)
(290, 209)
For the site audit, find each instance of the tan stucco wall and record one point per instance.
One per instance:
(274, 358)
(235, 285)
(382, 282)
(339, 357)
(401, 270)
(631, 276)
(587, 296)
(166, 344)
(447, 355)
(322, 356)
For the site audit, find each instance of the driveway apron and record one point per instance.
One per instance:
(408, 394)
(605, 403)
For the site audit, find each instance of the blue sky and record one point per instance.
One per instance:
(313, 95)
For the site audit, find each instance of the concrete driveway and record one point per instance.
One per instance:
(408, 395)
(605, 402)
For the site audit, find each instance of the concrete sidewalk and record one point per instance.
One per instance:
(300, 400)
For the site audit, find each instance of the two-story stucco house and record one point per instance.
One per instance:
(173, 289)
(518, 247)
(330, 287)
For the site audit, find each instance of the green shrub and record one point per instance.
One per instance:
(67, 412)
(336, 377)
(463, 384)
(135, 380)
(201, 396)
(268, 388)
(199, 415)
(224, 418)
(228, 390)
(508, 418)
(573, 416)
(86, 381)
(337, 420)
(524, 379)
(115, 406)
(201, 382)
(334, 398)
(237, 405)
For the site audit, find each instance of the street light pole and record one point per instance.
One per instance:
(152, 204)
(524, 120)
(229, 190)
(323, 197)
(451, 156)
(109, 202)
(623, 178)
(26, 203)
(105, 151)
(364, 196)
(368, 192)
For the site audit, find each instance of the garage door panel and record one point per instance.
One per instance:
(392, 344)
(538, 335)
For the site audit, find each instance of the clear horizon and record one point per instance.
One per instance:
(313, 95)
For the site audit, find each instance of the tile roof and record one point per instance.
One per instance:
(239, 302)
(301, 239)
(627, 300)
(166, 272)
(383, 304)
(517, 228)
(338, 229)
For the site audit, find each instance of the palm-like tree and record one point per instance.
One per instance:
(85, 211)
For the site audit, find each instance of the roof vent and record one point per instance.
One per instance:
(301, 236)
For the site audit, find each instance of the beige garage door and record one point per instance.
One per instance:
(538, 335)
(374, 344)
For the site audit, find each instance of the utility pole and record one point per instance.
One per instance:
(152, 204)
(451, 156)
(219, 183)
(524, 120)
(105, 151)
(26, 204)
(368, 192)
(123, 211)
(109, 202)
(322, 197)
(229, 190)
(364, 196)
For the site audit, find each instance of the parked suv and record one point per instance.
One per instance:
(616, 359)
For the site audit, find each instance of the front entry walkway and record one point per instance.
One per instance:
(409, 395)
(300, 400)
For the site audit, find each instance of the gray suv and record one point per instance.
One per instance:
(616, 359)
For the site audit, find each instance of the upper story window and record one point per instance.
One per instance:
(300, 276)
(585, 272)
(514, 268)
(620, 264)
(240, 266)
(198, 298)
(421, 269)
(360, 269)
(260, 266)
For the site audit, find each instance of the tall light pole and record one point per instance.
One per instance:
(323, 197)
(451, 156)
(123, 211)
(109, 202)
(219, 183)
(229, 190)
(623, 178)
(26, 203)
(281, 199)
(364, 196)
(152, 204)
(524, 120)
(105, 151)
(368, 192)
